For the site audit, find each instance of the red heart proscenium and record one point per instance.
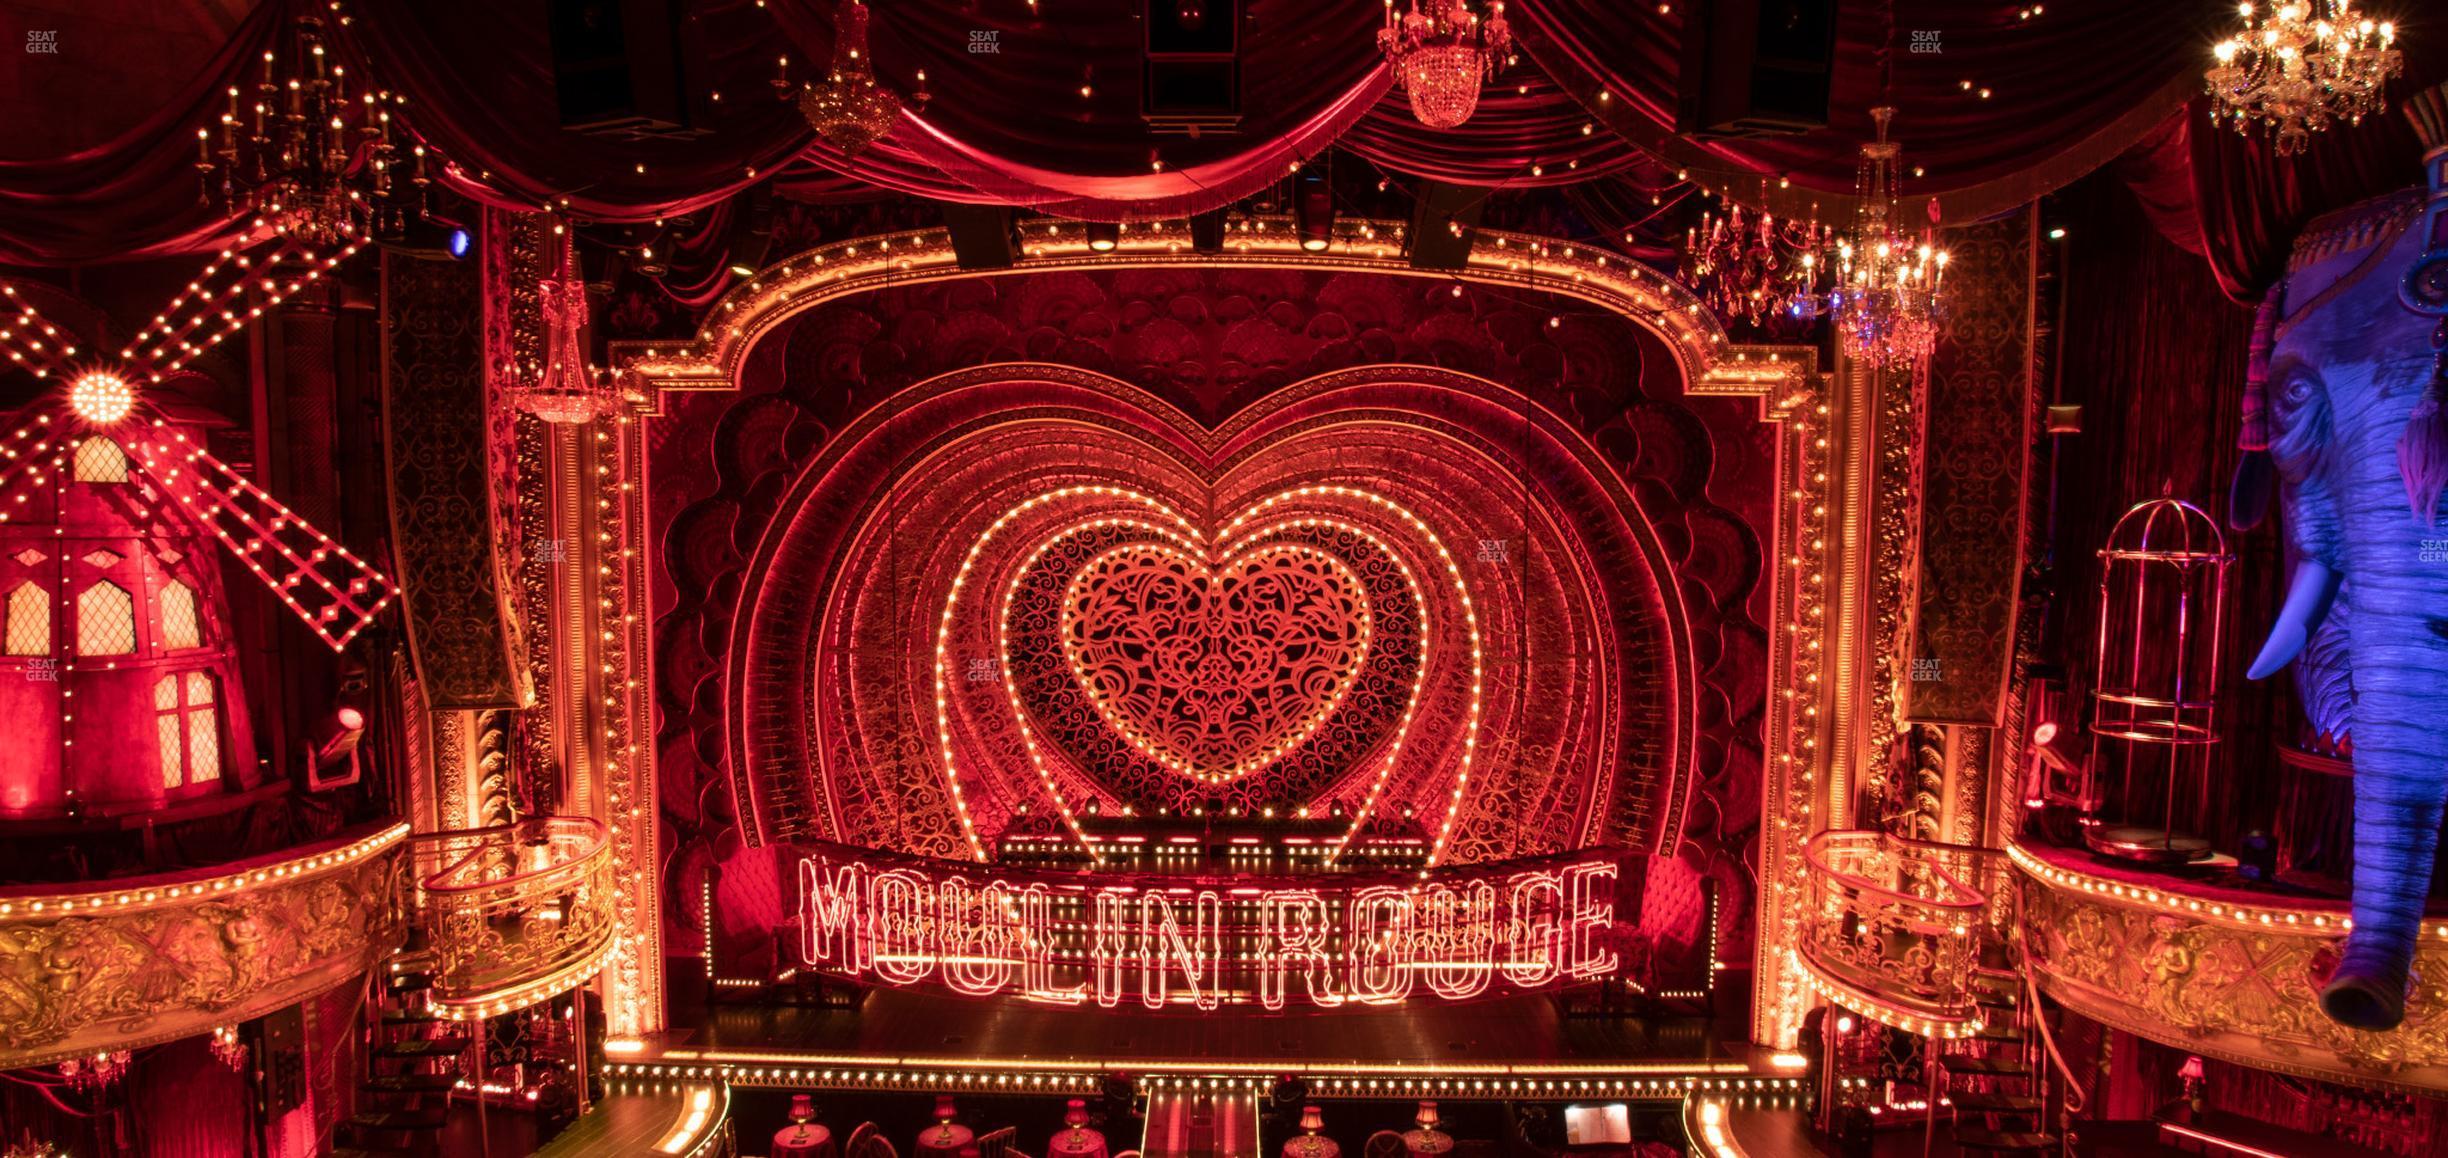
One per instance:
(1215, 671)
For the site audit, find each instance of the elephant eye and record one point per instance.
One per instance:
(2298, 389)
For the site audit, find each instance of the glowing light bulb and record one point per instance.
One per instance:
(101, 397)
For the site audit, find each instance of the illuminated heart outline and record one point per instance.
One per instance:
(1180, 530)
(1215, 671)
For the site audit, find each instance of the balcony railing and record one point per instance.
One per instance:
(1891, 929)
(514, 914)
(112, 965)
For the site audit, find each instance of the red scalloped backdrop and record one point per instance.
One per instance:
(962, 558)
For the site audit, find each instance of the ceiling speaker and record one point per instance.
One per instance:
(1756, 67)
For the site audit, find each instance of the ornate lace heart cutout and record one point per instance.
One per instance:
(1215, 672)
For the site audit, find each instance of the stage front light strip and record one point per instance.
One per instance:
(2176, 901)
(1657, 1081)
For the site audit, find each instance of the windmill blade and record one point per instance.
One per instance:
(34, 450)
(327, 585)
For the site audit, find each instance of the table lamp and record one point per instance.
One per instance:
(1311, 1121)
(944, 1113)
(803, 1109)
(1427, 1118)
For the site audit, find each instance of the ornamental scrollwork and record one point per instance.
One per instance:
(2238, 989)
(158, 958)
(512, 913)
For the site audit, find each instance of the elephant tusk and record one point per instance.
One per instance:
(2307, 604)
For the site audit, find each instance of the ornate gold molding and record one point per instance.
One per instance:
(515, 914)
(1819, 459)
(150, 959)
(1890, 931)
(2234, 981)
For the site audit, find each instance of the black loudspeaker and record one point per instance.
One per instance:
(983, 236)
(1207, 231)
(616, 67)
(1444, 224)
(1190, 81)
(281, 1047)
(1755, 67)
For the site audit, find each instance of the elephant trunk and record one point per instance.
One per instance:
(2400, 783)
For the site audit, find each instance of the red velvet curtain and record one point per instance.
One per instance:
(2054, 80)
(479, 80)
(137, 194)
(1526, 132)
(2252, 202)
(1042, 111)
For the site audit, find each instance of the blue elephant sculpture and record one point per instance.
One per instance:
(2354, 384)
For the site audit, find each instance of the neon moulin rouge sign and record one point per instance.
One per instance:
(1160, 942)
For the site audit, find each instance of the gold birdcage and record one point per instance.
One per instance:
(2154, 686)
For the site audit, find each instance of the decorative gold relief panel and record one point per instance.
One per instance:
(155, 958)
(2239, 982)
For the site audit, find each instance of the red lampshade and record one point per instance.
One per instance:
(1427, 1116)
(943, 1108)
(1311, 1120)
(1075, 1113)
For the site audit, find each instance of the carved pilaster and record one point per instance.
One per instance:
(436, 429)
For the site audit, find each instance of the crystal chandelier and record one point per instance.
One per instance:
(228, 1048)
(1749, 265)
(93, 1073)
(566, 391)
(2306, 63)
(1886, 294)
(1442, 55)
(848, 108)
(311, 155)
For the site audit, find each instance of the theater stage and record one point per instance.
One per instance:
(1514, 1046)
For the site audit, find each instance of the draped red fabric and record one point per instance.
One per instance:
(2251, 202)
(1004, 81)
(2159, 170)
(922, 160)
(2054, 80)
(1043, 112)
(1526, 132)
(137, 194)
(478, 75)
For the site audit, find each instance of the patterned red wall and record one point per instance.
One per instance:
(837, 604)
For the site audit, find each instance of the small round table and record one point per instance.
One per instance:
(806, 1140)
(1312, 1146)
(943, 1141)
(1076, 1143)
(1427, 1143)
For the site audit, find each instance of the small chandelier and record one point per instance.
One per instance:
(228, 1048)
(1750, 265)
(848, 108)
(311, 155)
(90, 1074)
(1443, 54)
(2306, 63)
(565, 390)
(1886, 294)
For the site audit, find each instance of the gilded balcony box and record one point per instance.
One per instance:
(150, 959)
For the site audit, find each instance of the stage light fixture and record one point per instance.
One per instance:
(1103, 236)
(425, 235)
(101, 397)
(1313, 209)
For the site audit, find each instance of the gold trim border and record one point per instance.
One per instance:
(1818, 455)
